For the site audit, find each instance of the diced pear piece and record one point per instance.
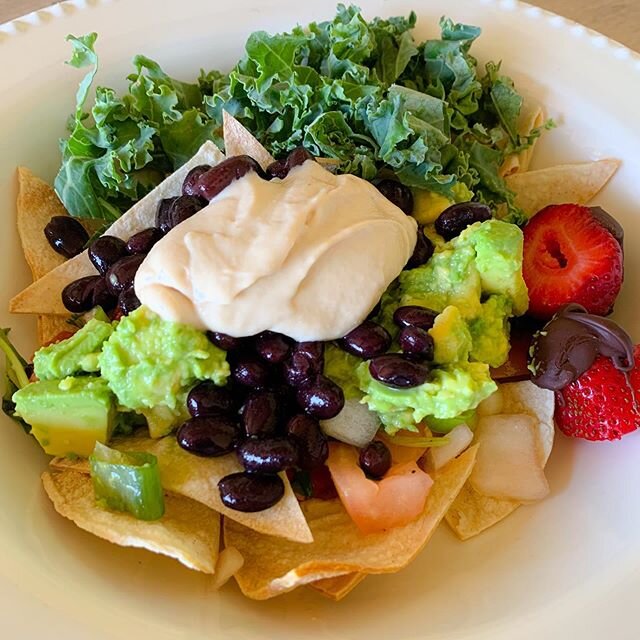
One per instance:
(355, 424)
(459, 437)
(492, 405)
(509, 460)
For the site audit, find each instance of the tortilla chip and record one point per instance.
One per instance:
(240, 141)
(43, 296)
(472, 512)
(197, 478)
(338, 587)
(188, 531)
(273, 566)
(230, 561)
(531, 117)
(577, 183)
(49, 327)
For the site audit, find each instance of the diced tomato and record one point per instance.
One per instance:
(396, 500)
(322, 486)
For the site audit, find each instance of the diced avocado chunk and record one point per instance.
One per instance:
(490, 331)
(76, 354)
(68, 416)
(451, 337)
(498, 248)
(151, 364)
(450, 391)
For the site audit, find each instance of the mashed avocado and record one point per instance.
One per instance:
(76, 354)
(451, 390)
(151, 364)
(341, 367)
(475, 284)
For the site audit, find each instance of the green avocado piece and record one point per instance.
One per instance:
(68, 416)
(450, 391)
(151, 364)
(490, 331)
(76, 354)
(340, 367)
(498, 248)
(451, 337)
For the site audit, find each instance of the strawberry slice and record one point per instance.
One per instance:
(569, 256)
(602, 404)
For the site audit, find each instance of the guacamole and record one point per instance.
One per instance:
(151, 364)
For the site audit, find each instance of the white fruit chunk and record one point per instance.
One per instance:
(509, 463)
(459, 437)
(492, 405)
(355, 424)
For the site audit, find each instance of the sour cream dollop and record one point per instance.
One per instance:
(308, 256)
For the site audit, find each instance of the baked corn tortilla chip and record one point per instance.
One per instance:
(338, 587)
(43, 296)
(188, 531)
(197, 478)
(229, 562)
(578, 183)
(472, 512)
(274, 566)
(239, 141)
(531, 117)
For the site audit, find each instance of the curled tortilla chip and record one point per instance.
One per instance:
(472, 512)
(274, 566)
(240, 141)
(338, 587)
(50, 326)
(43, 296)
(188, 531)
(576, 183)
(197, 478)
(531, 117)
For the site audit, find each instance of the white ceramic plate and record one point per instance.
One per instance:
(567, 568)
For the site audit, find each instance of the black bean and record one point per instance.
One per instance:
(207, 399)
(102, 296)
(249, 492)
(105, 251)
(259, 413)
(375, 459)
(218, 178)
(313, 445)
(267, 455)
(456, 218)
(121, 275)
(422, 252)
(277, 169)
(66, 236)
(397, 193)
(272, 347)
(77, 296)
(189, 186)
(142, 241)
(416, 342)
(224, 341)
(280, 168)
(396, 370)
(366, 341)
(250, 372)
(182, 208)
(414, 316)
(322, 398)
(128, 301)
(305, 362)
(209, 436)
(163, 214)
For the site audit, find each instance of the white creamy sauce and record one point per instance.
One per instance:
(308, 256)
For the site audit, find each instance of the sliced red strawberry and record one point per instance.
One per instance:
(602, 404)
(570, 257)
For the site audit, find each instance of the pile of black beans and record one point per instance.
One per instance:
(268, 413)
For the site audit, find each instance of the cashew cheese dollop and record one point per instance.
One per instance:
(308, 256)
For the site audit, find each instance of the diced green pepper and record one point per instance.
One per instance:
(127, 482)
